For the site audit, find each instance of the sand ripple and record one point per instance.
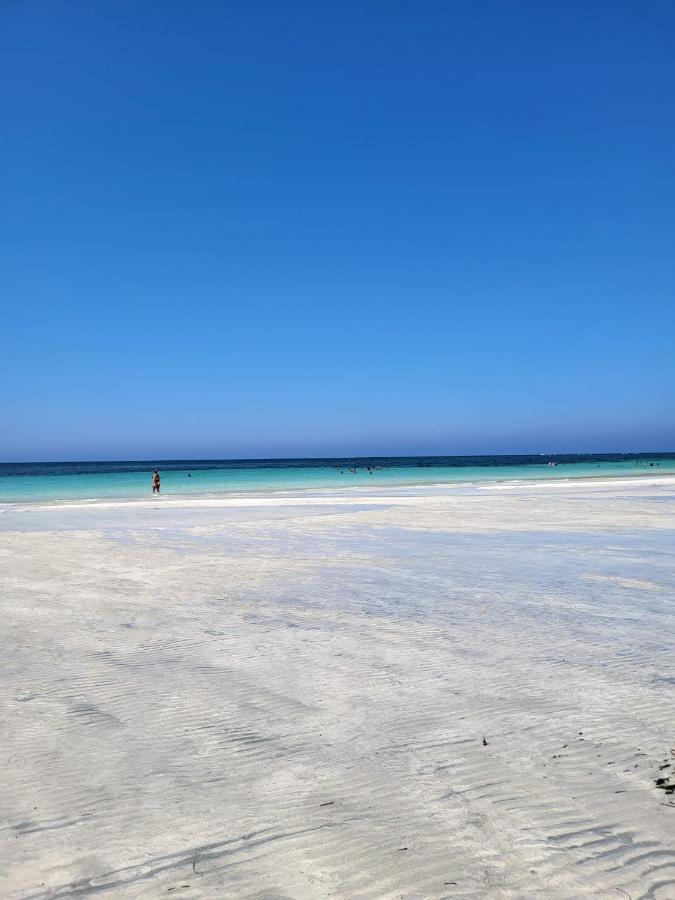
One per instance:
(335, 702)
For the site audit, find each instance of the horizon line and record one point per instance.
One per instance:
(201, 459)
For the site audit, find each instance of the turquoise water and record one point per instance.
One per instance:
(92, 481)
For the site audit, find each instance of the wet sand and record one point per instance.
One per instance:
(428, 692)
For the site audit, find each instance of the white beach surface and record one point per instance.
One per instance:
(287, 696)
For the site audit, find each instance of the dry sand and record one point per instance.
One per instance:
(287, 697)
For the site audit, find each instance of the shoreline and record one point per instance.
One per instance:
(367, 491)
(346, 494)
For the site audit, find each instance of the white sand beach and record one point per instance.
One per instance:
(461, 692)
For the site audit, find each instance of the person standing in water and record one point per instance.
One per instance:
(155, 482)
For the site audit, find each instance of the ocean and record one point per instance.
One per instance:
(35, 482)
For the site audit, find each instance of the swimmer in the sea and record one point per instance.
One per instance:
(155, 482)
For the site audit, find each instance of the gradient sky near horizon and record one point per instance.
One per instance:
(292, 228)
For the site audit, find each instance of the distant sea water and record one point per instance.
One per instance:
(34, 482)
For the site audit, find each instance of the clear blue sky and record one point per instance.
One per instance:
(298, 228)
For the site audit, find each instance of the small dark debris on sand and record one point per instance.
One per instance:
(485, 743)
(666, 782)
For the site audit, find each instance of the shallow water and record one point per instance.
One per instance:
(100, 480)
